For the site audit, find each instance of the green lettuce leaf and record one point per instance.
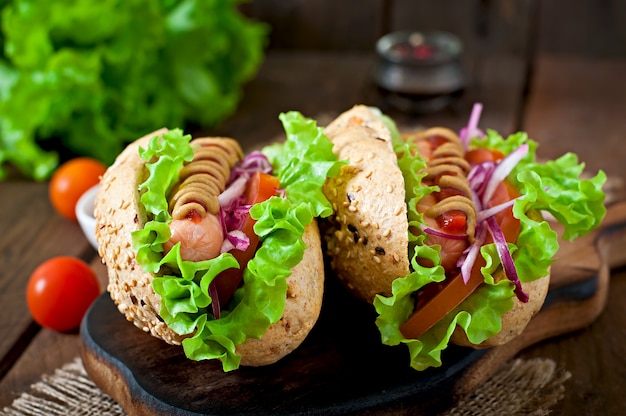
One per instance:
(555, 187)
(88, 77)
(302, 165)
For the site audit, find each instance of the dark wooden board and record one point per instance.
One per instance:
(341, 368)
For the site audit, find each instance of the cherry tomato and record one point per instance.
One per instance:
(260, 187)
(60, 291)
(70, 181)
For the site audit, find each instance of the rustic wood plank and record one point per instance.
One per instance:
(583, 28)
(322, 84)
(327, 25)
(318, 84)
(32, 233)
(576, 104)
(595, 360)
(48, 351)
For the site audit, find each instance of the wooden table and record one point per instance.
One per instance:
(571, 104)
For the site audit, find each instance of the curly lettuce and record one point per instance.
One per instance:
(555, 187)
(302, 165)
(87, 77)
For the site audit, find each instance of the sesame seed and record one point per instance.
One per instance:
(352, 208)
(376, 259)
(396, 258)
(389, 189)
(375, 225)
(398, 210)
(387, 232)
(369, 174)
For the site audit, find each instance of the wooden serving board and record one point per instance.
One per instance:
(341, 368)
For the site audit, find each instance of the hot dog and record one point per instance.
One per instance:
(443, 233)
(214, 250)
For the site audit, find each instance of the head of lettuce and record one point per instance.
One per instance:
(87, 77)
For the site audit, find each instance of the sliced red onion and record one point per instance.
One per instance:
(505, 257)
(490, 212)
(215, 300)
(233, 191)
(443, 234)
(472, 130)
(466, 262)
(479, 177)
(237, 240)
(253, 162)
(502, 170)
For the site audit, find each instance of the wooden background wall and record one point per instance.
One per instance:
(583, 27)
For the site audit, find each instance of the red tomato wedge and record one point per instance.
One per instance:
(432, 307)
(260, 188)
(477, 156)
(437, 300)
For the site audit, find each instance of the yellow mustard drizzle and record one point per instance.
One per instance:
(447, 167)
(205, 177)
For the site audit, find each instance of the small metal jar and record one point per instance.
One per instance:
(420, 71)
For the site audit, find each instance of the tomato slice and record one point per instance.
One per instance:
(432, 307)
(260, 188)
(435, 301)
(478, 156)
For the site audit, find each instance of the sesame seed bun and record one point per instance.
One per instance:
(118, 213)
(368, 241)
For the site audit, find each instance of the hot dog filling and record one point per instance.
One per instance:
(210, 209)
(472, 207)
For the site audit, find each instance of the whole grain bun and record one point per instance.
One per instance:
(367, 241)
(118, 213)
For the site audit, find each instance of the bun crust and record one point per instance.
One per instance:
(118, 213)
(367, 241)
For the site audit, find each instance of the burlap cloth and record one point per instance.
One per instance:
(520, 387)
